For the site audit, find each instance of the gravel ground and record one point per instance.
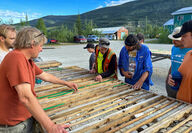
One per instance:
(159, 77)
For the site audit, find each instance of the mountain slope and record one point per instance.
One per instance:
(135, 12)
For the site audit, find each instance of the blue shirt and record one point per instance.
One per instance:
(177, 56)
(143, 64)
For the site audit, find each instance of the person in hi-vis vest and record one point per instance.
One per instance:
(105, 61)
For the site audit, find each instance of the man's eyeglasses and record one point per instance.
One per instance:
(39, 34)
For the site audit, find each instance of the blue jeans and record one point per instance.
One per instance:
(23, 127)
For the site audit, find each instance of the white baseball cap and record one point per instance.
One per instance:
(175, 31)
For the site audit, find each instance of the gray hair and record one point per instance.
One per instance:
(4, 28)
(29, 36)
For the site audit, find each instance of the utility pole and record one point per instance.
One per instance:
(146, 25)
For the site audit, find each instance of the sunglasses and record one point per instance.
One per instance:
(39, 35)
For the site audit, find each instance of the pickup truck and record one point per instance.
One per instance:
(92, 38)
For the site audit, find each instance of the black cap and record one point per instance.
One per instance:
(89, 45)
(186, 27)
(131, 40)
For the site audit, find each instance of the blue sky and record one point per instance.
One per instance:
(12, 11)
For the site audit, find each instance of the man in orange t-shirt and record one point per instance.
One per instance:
(185, 89)
(18, 101)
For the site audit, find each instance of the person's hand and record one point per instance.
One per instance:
(127, 74)
(57, 128)
(98, 78)
(92, 71)
(171, 82)
(138, 85)
(73, 86)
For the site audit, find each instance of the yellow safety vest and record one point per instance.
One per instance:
(99, 63)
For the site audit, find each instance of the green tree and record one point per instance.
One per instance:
(79, 25)
(163, 37)
(139, 30)
(26, 20)
(88, 28)
(75, 29)
(41, 26)
(22, 23)
(63, 34)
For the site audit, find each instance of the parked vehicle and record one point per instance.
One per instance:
(52, 41)
(92, 38)
(80, 39)
(110, 37)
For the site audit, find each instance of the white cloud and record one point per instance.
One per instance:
(99, 7)
(7, 15)
(114, 3)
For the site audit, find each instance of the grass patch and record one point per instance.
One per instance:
(152, 41)
(157, 41)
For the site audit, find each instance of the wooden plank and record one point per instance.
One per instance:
(180, 124)
(81, 92)
(106, 111)
(100, 109)
(90, 107)
(151, 119)
(188, 130)
(165, 122)
(136, 119)
(110, 106)
(120, 120)
(76, 102)
(48, 64)
(119, 114)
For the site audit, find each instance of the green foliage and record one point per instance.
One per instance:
(139, 30)
(84, 29)
(79, 25)
(163, 37)
(88, 26)
(150, 31)
(41, 26)
(62, 34)
(26, 20)
(88, 29)
(75, 30)
(153, 31)
(22, 23)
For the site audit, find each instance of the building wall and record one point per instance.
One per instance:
(170, 28)
(181, 18)
(121, 31)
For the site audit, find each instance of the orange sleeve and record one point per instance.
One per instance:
(18, 71)
(38, 71)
